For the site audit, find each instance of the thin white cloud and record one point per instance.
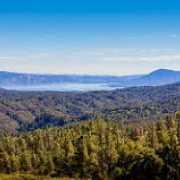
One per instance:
(133, 37)
(173, 35)
(142, 58)
(37, 56)
(120, 54)
(7, 58)
(162, 50)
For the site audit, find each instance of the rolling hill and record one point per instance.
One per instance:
(32, 110)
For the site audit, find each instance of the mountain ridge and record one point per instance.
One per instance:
(160, 77)
(157, 77)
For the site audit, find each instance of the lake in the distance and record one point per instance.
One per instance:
(62, 87)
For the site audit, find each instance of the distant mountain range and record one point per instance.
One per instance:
(9, 78)
(158, 77)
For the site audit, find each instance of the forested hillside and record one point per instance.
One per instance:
(97, 150)
(31, 110)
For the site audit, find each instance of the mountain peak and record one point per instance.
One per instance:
(159, 71)
(161, 77)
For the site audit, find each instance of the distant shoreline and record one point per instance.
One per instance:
(63, 87)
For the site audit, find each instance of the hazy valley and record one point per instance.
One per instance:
(32, 82)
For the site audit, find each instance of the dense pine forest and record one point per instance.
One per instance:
(131, 133)
(96, 149)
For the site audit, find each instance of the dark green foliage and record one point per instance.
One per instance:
(96, 150)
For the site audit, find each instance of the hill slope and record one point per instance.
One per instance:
(31, 110)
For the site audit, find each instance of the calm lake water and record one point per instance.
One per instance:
(63, 87)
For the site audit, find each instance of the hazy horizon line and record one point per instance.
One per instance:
(69, 74)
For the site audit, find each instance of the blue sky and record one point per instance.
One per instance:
(89, 36)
